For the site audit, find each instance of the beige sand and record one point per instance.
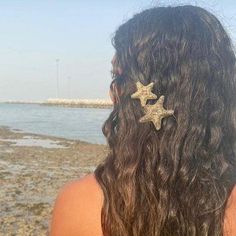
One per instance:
(31, 176)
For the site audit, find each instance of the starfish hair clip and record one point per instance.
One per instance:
(154, 113)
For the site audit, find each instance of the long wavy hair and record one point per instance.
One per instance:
(174, 181)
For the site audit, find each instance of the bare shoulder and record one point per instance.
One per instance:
(230, 214)
(85, 184)
(77, 210)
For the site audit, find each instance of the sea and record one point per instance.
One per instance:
(83, 124)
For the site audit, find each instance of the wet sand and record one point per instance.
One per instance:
(32, 170)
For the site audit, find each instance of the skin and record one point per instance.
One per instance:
(77, 210)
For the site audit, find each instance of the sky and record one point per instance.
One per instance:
(71, 40)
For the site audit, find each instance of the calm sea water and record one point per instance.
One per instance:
(73, 123)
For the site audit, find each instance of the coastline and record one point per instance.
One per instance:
(77, 103)
(33, 168)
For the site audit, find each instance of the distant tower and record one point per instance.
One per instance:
(57, 75)
(69, 79)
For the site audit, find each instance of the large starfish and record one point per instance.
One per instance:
(156, 113)
(144, 93)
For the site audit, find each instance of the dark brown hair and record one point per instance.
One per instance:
(175, 181)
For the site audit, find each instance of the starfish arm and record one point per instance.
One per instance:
(145, 118)
(161, 100)
(152, 96)
(166, 113)
(139, 85)
(157, 123)
(170, 112)
(150, 86)
(135, 95)
(143, 101)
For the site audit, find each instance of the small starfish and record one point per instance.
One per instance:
(156, 113)
(144, 93)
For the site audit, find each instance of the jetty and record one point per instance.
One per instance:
(89, 103)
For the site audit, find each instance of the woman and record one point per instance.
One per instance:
(171, 174)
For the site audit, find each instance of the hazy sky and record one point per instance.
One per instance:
(78, 33)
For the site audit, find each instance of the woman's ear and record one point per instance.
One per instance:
(112, 96)
(114, 93)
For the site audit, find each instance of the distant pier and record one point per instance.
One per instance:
(86, 103)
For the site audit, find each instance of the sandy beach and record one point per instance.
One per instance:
(33, 168)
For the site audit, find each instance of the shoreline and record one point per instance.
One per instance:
(77, 103)
(31, 174)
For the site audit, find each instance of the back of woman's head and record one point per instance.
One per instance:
(176, 180)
